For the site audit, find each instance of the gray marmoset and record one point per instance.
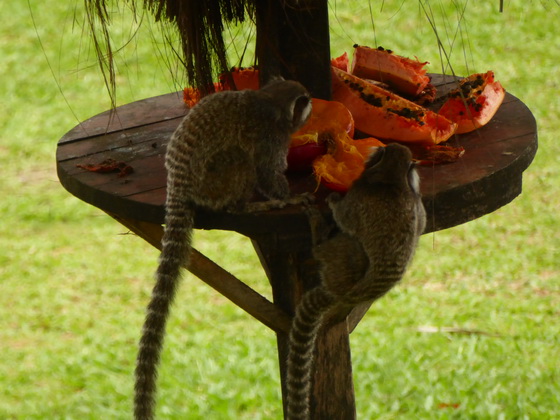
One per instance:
(379, 222)
(227, 146)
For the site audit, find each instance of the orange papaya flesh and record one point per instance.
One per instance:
(191, 96)
(474, 102)
(438, 155)
(338, 169)
(341, 62)
(403, 74)
(328, 118)
(242, 78)
(382, 114)
(300, 158)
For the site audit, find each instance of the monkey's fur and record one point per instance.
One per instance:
(379, 222)
(228, 145)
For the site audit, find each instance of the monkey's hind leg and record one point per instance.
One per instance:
(343, 263)
(321, 230)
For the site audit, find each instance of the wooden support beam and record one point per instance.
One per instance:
(219, 279)
(293, 41)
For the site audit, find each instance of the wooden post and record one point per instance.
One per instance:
(293, 41)
(290, 268)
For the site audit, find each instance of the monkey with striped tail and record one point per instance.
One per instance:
(378, 222)
(228, 146)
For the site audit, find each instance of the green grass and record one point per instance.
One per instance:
(73, 288)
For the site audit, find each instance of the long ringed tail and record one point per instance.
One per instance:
(306, 323)
(176, 244)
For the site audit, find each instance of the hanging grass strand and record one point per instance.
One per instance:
(199, 24)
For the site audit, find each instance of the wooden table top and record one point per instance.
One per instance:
(488, 176)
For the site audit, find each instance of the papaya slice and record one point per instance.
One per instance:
(327, 119)
(474, 102)
(402, 74)
(345, 162)
(242, 78)
(191, 96)
(386, 115)
(300, 158)
(239, 78)
(341, 62)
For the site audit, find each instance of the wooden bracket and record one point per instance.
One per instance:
(219, 279)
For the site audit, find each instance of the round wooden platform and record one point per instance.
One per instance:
(487, 177)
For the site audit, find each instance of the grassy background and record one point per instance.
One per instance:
(73, 287)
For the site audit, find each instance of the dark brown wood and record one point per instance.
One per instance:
(293, 41)
(144, 112)
(332, 392)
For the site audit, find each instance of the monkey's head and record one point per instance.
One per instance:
(291, 100)
(390, 166)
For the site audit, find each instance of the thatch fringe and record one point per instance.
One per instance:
(199, 23)
(96, 12)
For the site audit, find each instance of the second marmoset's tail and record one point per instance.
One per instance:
(176, 245)
(303, 332)
(375, 284)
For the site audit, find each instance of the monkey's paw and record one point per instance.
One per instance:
(313, 213)
(320, 229)
(304, 199)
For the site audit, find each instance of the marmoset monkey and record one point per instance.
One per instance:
(379, 221)
(227, 146)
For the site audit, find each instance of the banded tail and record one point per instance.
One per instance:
(305, 325)
(376, 283)
(176, 244)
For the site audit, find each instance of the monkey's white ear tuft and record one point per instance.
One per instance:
(375, 156)
(300, 110)
(414, 179)
(372, 150)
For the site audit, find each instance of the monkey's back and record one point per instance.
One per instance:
(211, 156)
(385, 213)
